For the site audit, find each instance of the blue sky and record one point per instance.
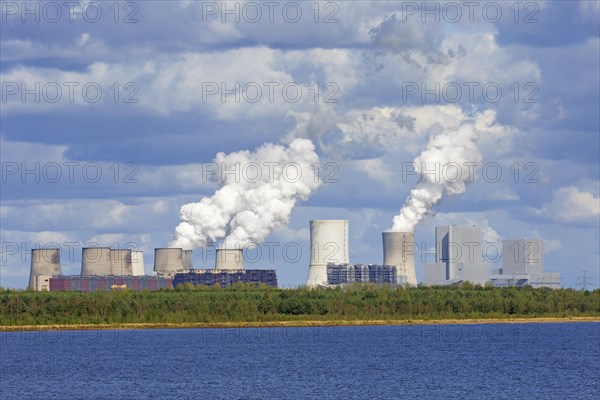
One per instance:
(150, 143)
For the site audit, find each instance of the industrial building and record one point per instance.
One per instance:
(346, 274)
(103, 268)
(523, 264)
(329, 245)
(229, 269)
(457, 257)
(226, 277)
(98, 283)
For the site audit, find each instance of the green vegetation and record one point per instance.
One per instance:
(245, 303)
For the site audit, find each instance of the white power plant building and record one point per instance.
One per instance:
(523, 264)
(457, 257)
(328, 245)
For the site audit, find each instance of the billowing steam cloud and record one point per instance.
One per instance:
(257, 193)
(446, 167)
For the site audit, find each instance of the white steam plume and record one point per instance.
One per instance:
(449, 154)
(257, 193)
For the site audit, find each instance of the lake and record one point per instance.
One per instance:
(483, 361)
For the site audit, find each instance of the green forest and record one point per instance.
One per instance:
(247, 303)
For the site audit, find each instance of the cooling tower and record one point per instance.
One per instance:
(399, 250)
(120, 261)
(168, 260)
(137, 262)
(229, 259)
(187, 259)
(44, 262)
(96, 261)
(328, 245)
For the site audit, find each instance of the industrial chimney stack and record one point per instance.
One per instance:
(399, 250)
(96, 261)
(229, 259)
(168, 261)
(44, 262)
(328, 245)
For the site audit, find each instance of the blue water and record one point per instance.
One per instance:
(525, 361)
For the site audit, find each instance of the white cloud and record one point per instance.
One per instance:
(571, 205)
(376, 169)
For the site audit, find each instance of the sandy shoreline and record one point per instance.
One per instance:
(283, 324)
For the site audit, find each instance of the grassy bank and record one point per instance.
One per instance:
(298, 323)
(244, 305)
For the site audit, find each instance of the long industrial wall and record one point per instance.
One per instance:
(226, 277)
(78, 283)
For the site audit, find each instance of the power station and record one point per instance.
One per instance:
(103, 268)
(457, 259)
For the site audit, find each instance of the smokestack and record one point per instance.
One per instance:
(120, 261)
(399, 250)
(187, 259)
(229, 259)
(44, 262)
(328, 245)
(137, 263)
(96, 261)
(452, 148)
(168, 260)
(244, 211)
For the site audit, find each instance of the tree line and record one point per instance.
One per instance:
(249, 303)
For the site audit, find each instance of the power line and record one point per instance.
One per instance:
(584, 280)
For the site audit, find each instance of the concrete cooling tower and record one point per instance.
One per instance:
(44, 262)
(328, 245)
(399, 250)
(229, 259)
(137, 263)
(120, 261)
(168, 260)
(96, 261)
(187, 259)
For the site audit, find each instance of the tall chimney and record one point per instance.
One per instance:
(137, 262)
(187, 259)
(44, 262)
(229, 259)
(120, 260)
(96, 261)
(399, 250)
(168, 260)
(328, 245)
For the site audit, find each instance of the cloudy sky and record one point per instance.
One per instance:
(113, 115)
